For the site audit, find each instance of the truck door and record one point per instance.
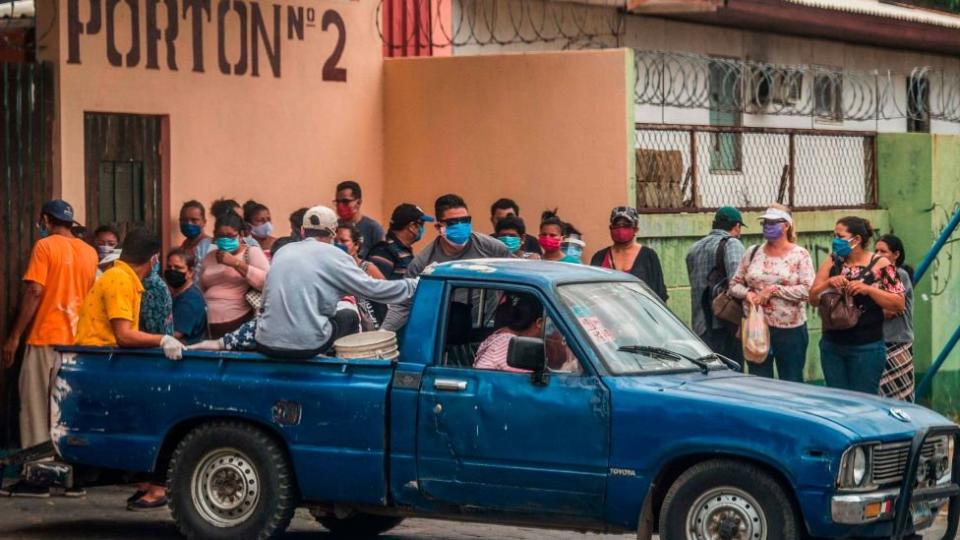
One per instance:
(493, 439)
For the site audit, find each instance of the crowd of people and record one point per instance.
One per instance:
(338, 272)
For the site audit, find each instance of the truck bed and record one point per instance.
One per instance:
(120, 409)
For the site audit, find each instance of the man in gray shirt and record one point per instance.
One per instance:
(701, 259)
(457, 242)
(306, 282)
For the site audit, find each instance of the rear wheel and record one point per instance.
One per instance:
(727, 500)
(229, 480)
(358, 525)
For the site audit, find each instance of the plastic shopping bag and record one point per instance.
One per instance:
(756, 336)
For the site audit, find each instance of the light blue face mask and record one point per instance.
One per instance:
(419, 234)
(512, 242)
(225, 243)
(841, 248)
(458, 234)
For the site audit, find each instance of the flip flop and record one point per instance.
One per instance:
(141, 505)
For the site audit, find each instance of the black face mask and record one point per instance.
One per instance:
(174, 278)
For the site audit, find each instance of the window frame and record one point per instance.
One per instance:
(550, 310)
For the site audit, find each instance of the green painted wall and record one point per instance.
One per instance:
(671, 235)
(919, 181)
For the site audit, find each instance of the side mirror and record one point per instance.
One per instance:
(528, 354)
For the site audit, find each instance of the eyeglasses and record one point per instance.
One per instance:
(456, 221)
(343, 201)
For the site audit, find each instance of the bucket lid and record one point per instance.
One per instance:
(365, 341)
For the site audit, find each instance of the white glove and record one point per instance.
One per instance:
(172, 348)
(207, 345)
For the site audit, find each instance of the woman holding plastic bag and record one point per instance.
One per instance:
(775, 279)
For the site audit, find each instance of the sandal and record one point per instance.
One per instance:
(141, 505)
(139, 493)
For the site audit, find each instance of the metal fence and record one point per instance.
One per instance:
(26, 129)
(701, 168)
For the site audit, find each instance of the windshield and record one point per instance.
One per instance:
(625, 315)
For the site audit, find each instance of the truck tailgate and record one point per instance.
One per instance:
(116, 408)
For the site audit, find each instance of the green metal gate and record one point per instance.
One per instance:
(26, 133)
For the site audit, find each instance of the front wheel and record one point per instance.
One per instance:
(727, 500)
(358, 525)
(229, 480)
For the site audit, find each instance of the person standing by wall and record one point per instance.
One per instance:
(229, 271)
(349, 240)
(777, 276)
(193, 221)
(156, 307)
(503, 208)
(257, 218)
(628, 255)
(106, 238)
(61, 271)
(349, 200)
(457, 242)
(898, 379)
(552, 231)
(189, 307)
(512, 231)
(702, 259)
(855, 358)
(393, 255)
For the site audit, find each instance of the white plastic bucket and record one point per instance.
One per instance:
(380, 344)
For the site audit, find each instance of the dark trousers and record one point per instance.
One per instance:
(788, 348)
(344, 323)
(724, 342)
(853, 367)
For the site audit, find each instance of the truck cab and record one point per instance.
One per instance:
(613, 417)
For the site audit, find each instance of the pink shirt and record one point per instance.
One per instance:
(792, 275)
(224, 288)
(492, 353)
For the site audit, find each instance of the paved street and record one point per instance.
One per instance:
(101, 516)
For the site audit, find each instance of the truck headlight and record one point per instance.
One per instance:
(854, 468)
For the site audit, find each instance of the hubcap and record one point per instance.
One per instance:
(726, 513)
(225, 487)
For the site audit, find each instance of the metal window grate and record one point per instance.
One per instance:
(701, 168)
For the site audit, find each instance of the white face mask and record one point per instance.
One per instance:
(263, 230)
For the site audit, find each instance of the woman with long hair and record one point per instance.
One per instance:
(898, 378)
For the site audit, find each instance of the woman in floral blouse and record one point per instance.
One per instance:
(854, 359)
(777, 276)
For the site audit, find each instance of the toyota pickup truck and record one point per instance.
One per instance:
(614, 418)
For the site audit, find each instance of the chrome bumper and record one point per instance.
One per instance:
(865, 508)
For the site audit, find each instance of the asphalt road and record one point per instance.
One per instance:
(101, 516)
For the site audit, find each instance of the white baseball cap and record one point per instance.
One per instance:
(320, 218)
(775, 214)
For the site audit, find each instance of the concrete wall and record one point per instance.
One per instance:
(283, 139)
(548, 130)
(920, 183)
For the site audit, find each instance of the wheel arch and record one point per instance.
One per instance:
(178, 431)
(671, 470)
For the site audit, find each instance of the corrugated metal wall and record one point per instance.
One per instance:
(26, 133)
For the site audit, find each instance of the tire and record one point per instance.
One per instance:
(359, 525)
(206, 469)
(744, 502)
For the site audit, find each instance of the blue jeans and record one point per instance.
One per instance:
(853, 367)
(788, 348)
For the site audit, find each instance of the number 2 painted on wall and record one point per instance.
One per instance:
(330, 70)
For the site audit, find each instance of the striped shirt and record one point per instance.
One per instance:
(492, 353)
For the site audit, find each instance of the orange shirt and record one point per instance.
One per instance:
(116, 295)
(66, 268)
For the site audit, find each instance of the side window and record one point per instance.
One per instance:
(481, 323)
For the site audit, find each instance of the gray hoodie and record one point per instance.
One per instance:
(306, 281)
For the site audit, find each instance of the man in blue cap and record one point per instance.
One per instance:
(393, 255)
(61, 272)
(701, 260)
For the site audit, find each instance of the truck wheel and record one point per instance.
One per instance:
(229, 480)
(358, 525)
(728, 500)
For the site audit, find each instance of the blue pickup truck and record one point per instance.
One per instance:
(616, 418)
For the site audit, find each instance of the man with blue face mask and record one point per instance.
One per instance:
(457, 241)
(393, 255)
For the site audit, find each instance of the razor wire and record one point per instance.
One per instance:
(458, 23)
(696, 81)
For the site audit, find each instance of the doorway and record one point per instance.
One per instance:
(125, 180)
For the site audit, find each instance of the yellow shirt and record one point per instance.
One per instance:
(116, 295)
